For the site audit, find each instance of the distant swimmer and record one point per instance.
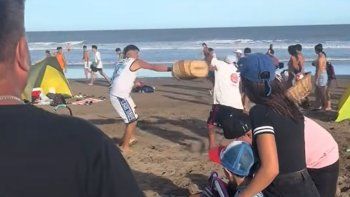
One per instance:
(123, 80)
(86, 62)
(97, 66)
(61, 59)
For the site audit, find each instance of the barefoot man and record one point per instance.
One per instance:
(122, 82)
(86, 60)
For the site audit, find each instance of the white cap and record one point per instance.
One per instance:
(238, 51)
(230, 59)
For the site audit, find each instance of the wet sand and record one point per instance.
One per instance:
(170, 158)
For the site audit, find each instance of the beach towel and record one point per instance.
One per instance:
(87, 101)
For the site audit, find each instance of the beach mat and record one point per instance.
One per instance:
(87, 101)
(190, 69)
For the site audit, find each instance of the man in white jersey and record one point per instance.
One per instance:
(122, 82)
(227, 96)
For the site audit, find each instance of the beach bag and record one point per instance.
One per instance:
(301, 89)
(216, 187)
(57, 99)
(190, 69)
(330, 71)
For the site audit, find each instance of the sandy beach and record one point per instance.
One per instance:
(170, 158)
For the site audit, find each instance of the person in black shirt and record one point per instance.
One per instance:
(278, 130)
(43, 154)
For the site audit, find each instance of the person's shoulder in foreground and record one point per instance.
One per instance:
(52, 155)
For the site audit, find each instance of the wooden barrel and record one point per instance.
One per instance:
(190, 69)
(301, 89)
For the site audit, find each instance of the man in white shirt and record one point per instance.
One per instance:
(123, 80)
(97, 66)
(227, 96)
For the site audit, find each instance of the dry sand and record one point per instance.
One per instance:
(170, 158)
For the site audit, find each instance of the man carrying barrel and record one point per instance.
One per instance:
(122, 82)
(227, 96)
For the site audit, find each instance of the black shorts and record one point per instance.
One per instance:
(95, 69)
(218, 113)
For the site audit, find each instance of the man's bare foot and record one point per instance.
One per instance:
(125, 150)
(91, 84)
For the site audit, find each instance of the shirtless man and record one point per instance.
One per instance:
(321, 77)
(86, 60)
(301, 58)
(123, 80)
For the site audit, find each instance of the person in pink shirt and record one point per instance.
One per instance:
(322, 158)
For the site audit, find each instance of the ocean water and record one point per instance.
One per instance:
(169, 45)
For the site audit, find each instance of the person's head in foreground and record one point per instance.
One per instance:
(247, 51)
(94, 48)
(237, 159)
(84, 48)
(14, 57)
(48, 53)
(131, 51)
(262, 87)
(204, 45)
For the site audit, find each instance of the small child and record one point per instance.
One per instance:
(237, 160)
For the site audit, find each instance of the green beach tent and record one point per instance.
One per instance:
(47, 75)
(344, 107)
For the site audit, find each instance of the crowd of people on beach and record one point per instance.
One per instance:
(274, 149)
(294, 155)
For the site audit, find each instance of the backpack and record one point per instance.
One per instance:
(330, 71)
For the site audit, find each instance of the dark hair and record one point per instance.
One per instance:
(292, 51)
(319, 48)
(84, 46)
(94, 46)
(298, 47)
(247, 50)
(11, 27)
(204, 44)
(118, 50)
(59, 48)
(210, 49)
(277, 101)
(130, 47)
(47, 51)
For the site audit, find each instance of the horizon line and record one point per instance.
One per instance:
(138, 29)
